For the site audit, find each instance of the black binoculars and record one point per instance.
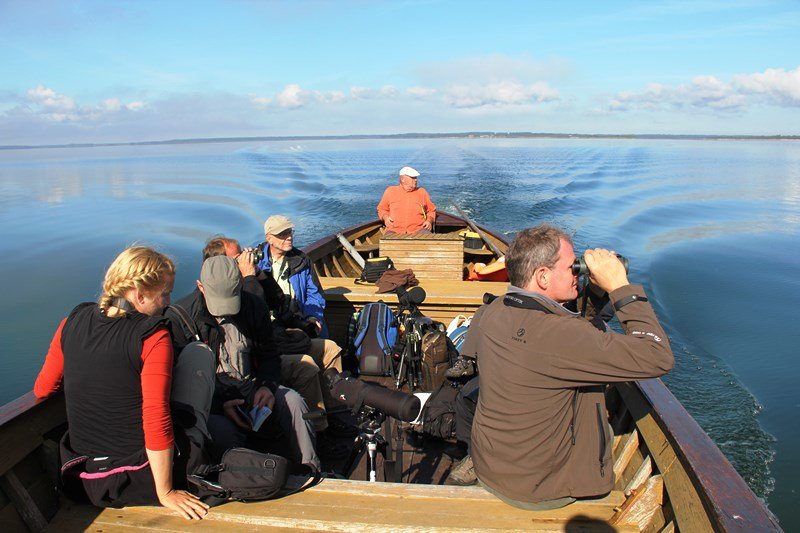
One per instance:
(579, 266)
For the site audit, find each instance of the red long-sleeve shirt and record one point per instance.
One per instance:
(156, 384)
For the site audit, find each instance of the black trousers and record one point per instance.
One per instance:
(466, 402)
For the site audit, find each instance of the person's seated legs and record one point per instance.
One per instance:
(463, 472)
(327, 354)
(191, 398)
(289, 410)
(300, 372)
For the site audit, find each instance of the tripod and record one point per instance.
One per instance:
(410, 366)
(369, 439)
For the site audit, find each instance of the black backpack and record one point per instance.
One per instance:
(245, 475)
(439, 414)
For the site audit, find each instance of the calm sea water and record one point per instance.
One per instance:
(712, 230)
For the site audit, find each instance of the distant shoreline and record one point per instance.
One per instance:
(404, 136)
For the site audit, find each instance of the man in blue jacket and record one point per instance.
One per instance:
(301, 301)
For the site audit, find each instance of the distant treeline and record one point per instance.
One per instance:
(466, 135)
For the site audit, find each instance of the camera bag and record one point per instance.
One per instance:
(245, 475)
(375, 267)
(439, 414)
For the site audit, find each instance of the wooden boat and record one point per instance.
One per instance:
(669, 474)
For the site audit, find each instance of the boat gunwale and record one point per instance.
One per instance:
(725, 494)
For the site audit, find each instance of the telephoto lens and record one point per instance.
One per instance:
(579, 266)
(355, 393)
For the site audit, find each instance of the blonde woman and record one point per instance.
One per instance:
(114, 361)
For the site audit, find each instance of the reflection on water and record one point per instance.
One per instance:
(699, 221)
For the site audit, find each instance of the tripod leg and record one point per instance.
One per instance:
(358, 447)
(392, 453)
(400, 370)
(372, 448)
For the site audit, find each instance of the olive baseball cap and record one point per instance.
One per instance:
(221, 285)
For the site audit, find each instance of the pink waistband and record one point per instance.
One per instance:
(100, 475)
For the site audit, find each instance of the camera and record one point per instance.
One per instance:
(258, 255)
(356, 394)
(579, 266)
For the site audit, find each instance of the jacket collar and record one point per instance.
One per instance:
(295, 260)
(551, 306)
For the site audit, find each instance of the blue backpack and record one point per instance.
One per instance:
(376, 333)
(458, 336)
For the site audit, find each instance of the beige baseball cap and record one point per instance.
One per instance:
(277, 224)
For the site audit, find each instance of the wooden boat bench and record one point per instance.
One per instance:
(445, 299)
(341, 505)
(438, 256)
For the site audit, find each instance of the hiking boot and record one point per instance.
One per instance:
(464, 367)
(462, 473)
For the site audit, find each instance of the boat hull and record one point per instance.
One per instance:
(669, 474)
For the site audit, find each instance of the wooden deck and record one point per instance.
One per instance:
(439, 292)
(336, 505)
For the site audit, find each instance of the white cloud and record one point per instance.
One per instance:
(705, 92)
(291, 96)
(47, 104)
(498, 94)
(388, 91)
(260, 101)
(112, 104)
(506, 93)
(49, 99)
(331, 97)
(358, 93)
(421, 93)
(779, 86)
(493, 68)
(367, 93)
(773, 86)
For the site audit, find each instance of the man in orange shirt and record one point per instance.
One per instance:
(406, 208)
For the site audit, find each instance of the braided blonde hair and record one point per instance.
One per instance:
(137, 267)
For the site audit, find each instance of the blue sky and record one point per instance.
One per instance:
(101, 71)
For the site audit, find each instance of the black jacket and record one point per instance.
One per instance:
(252, 320)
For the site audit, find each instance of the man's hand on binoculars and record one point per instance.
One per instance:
(605, 269)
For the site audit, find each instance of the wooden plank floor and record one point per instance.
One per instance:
(420, 503)
(336, 505)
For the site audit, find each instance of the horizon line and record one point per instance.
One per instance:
(452, 135)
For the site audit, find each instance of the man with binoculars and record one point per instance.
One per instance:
(541, 438)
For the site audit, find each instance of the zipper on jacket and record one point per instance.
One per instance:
(600, 425)
(574, 407)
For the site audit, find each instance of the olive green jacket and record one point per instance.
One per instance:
(541, 429)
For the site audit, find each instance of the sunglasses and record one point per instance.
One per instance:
(284, 234)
